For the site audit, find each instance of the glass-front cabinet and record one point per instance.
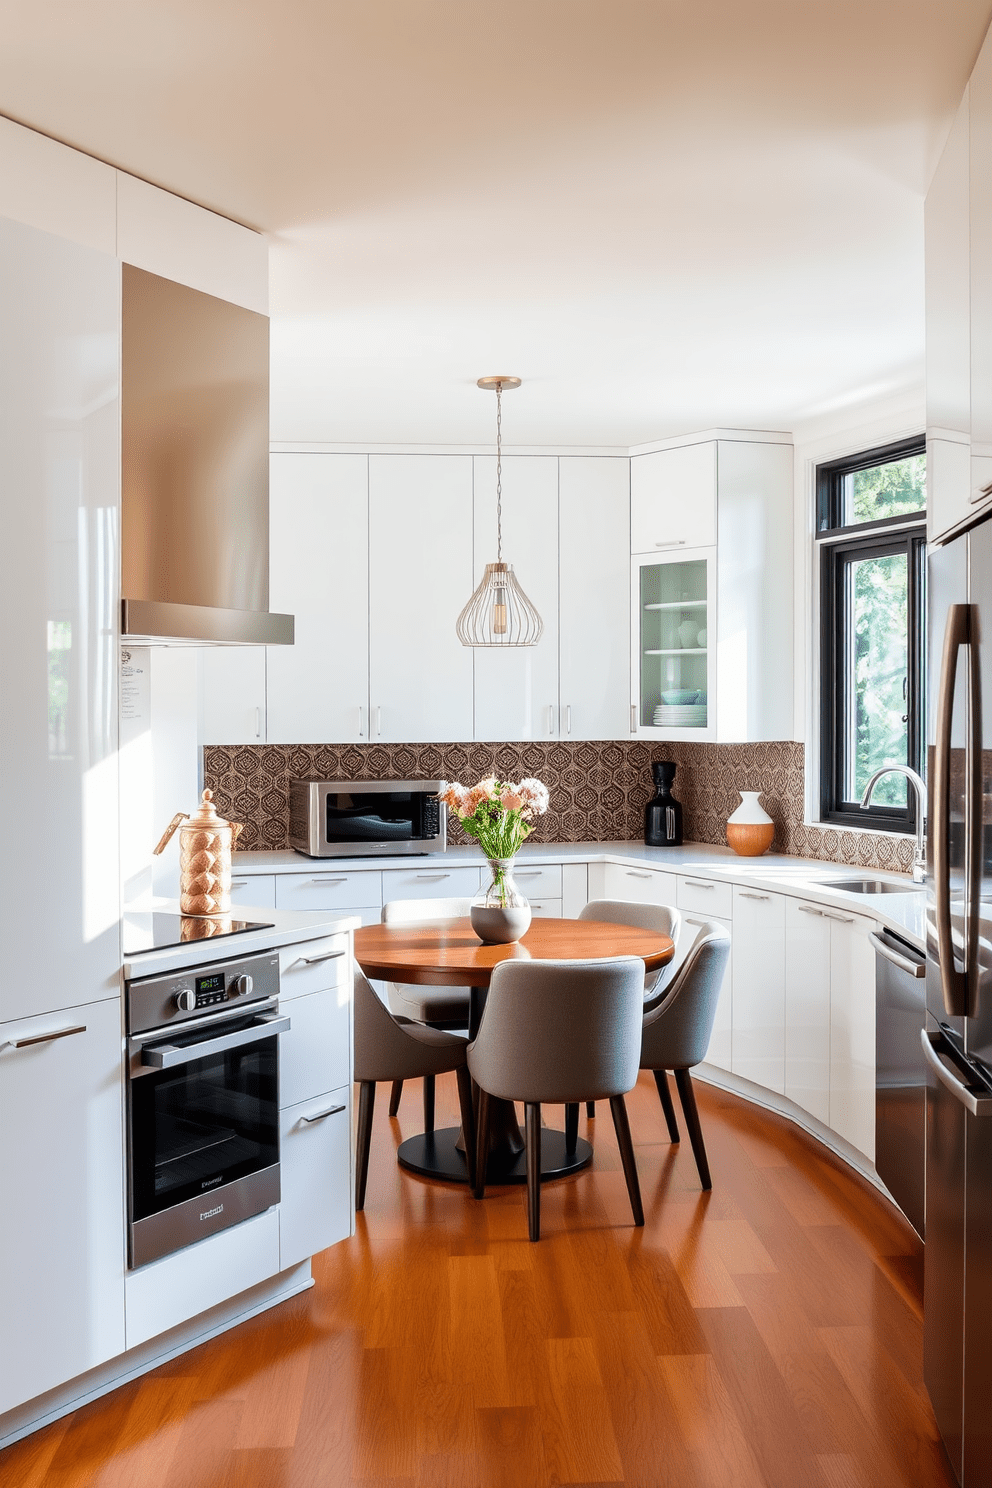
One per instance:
(673, 617)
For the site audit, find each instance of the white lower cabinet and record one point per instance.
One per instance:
(257, 890)
(327, 888)
(719, 1050)
(852, 1030)
(315, 1156)
(431, 883)
(640, 885)
(759, 988)
(546, 908)
(807, 1008)
(62, 1221)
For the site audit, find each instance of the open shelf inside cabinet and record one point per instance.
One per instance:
(674, 634)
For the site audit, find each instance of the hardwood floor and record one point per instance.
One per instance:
(766, 1333)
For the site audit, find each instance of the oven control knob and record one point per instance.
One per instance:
(243, 985)
(186, 1000)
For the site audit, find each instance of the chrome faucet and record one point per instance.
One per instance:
(920, 860)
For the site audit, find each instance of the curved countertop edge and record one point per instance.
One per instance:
(905, 914)
(287, 927)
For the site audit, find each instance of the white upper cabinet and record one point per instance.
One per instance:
(516, 687)
(59, 619)
(420, 576)
(593, 604)
(673, 499)
(712, 627)
(46, 185)
(232, 695)
(318, 689)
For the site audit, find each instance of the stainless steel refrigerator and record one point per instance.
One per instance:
(958, 1035)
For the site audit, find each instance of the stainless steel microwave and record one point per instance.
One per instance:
(366, 818)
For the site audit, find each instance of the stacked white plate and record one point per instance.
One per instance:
(686, 715)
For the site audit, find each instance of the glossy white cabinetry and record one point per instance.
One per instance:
(62, 1219)
(743, 668)
(315, 1161)
(432, 882)
(574, 889)
(807, 1008)
(315, 1053)
(947, 220)
(641, 885)
(706, 898)
(257, 890)
(516, 688)
(593, 602)
(326, 889)
(673, 498)
(232, 694)
(318, 689)
(420, 577)
(852, 1031)
(759, 987)
(59, 621)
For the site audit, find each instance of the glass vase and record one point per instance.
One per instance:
(500, 913)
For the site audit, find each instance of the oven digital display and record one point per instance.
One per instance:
(210, 989)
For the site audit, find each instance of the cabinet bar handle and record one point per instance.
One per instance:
(528, 873)
(433, 877)
(568, 718)
(42, 1038)
(313, 960)
(844, 919)
(239, 883)
(633, 873)
(361, 722)
(323, 1115)
(551, 720)
(677, 542)
(258, 723)
(810, 909)
(633, 718)
(745, 894)
(326, 880)
(699, 883)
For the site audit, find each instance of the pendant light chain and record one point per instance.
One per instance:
(499, 472)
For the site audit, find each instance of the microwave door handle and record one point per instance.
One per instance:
(167, 1056)
(953, 982)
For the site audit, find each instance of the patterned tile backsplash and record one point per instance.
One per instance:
(598, 789)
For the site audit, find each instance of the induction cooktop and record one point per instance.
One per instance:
(148, 930)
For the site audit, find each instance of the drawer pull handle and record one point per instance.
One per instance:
(433, 877)
(313, 960)
(844, 919)
(677, 542)
(42, 1038)
(528, 873)
(746, 895)
(698, 883)
(323, 1115)
(239, 883)
(810, 909)
(327, 880)
(633, 873)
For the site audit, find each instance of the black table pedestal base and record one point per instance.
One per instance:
(436, 1156)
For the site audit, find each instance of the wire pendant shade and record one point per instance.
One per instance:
(499, 612)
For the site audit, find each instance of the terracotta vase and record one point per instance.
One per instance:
(750, 830)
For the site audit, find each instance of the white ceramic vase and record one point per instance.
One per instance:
(750, 829)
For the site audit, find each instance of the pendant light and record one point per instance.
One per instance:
(499, 612)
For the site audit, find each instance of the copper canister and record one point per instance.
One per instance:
(206, 842)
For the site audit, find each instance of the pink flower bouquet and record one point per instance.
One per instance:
(495, 812)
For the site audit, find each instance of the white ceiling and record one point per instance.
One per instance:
(661, 216)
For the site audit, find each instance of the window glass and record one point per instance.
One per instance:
(877, 675)
(895, 489)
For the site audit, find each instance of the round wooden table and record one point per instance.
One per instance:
(450, 954)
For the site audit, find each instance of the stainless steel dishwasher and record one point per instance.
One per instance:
(900, 1073)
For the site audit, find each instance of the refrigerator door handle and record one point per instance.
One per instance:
(954, 983)
(975, 812)
(977, 1104)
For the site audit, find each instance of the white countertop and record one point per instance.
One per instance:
(287, 927)
(802, 877)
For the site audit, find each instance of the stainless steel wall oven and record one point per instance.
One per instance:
(203, 1101)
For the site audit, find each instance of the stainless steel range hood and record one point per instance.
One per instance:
(195, 469)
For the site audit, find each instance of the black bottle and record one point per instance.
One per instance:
(663, 814)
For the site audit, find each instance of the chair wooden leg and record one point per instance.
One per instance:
(688, 1099)
(366, 1105)
(428, 1105)
(571, 1126)
(532, 1111)
(394, 1097)
(590, 1110)
(468, 1120)
(621, 1125)
(481, 1144)
(661, 1080)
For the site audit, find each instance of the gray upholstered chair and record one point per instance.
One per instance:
(559, 1032)
(677, 1030)
(666, 920)
(439, 1007)
(391, 1048)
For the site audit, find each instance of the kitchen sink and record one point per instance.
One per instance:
(870, 886)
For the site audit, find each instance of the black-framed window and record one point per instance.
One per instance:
(871, 531)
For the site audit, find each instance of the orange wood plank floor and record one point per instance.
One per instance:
(768, 1333)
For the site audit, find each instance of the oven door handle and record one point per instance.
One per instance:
(166, 1056)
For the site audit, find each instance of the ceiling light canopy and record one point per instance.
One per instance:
(499, 612)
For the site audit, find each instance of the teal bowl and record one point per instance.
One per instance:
(679, 698)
